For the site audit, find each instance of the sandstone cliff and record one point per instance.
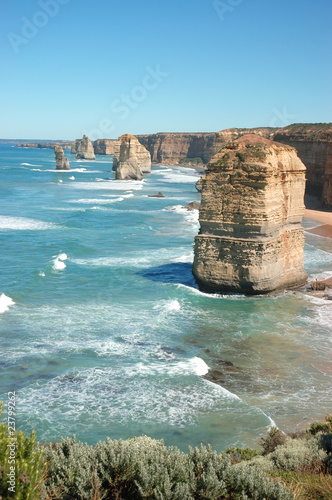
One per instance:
(61, 161)
(106, 146)
(171, 148)
(84, 149)
(251, 239)
(313, 143)
(132, 159)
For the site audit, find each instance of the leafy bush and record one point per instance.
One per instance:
(325, 427)
(28, 464)
(273, 439)
(145, 468)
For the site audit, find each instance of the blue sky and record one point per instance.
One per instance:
(105, 68)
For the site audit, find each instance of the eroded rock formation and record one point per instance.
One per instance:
(84, 149)
(173, 148)
(251, 239)
(313, 142)
(61, 161)
(106, 146)
(132, 159)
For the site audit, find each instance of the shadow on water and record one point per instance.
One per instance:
(176, 272)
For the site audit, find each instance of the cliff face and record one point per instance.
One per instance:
(170, 149)
(106, 147)
(313, 144)
(61, 161)
(84, 149)
(251, 239)
(132, 159)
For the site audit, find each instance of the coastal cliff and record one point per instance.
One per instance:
(171, 148)
(313, 143)
(84, 149)
(61, 161)
(251, 239)
(106, 147)
(132, 159)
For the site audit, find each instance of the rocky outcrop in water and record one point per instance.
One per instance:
(61, 161)
(106, 146)
(251, 239)
(132, 160)
(313, 142)
(84, 149)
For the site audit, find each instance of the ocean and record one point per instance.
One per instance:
(105, 334)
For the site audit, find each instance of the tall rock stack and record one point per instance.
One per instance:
(131, 160)
(84, 149)
(61, 161)
(251, 239)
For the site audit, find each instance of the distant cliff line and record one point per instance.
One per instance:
(313, 142)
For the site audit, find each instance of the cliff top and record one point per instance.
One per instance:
(306, 132)
(250, 151)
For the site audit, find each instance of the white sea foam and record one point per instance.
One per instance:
(168, 305)
(135, 259)
(191, 215)
(72, 178)
(58, 262)
(111, 185)
(30, 165)
(196, 291)
(5, 303)
(98, 201)
(179, 177)
(200, 367)
(24, 224)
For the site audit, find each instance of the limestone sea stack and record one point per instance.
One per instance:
(251, 240)
(131, 160)
(61, 161)
(84, 149)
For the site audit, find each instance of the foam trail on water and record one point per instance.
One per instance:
(24, 224)
(5, 302)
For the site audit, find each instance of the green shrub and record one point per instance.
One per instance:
(145, 468)
(299, 454)
(274, 438)
(28, 463)
(325, 427)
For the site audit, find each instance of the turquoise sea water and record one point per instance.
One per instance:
(104, 333)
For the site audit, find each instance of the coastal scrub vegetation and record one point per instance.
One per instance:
(288, 467)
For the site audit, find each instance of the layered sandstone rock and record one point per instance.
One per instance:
(106, 146)
(251, 239)
(61, 161)
(74, 147)
(132, 159)
(84, 149)
(313, 143)
(173, 148)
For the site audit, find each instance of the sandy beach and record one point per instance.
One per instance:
(324, 230)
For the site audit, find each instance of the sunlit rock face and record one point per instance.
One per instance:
(84, 149)
(251, 239)
(61, 162)
(131, 160)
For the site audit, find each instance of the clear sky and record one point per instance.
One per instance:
(108, 67)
